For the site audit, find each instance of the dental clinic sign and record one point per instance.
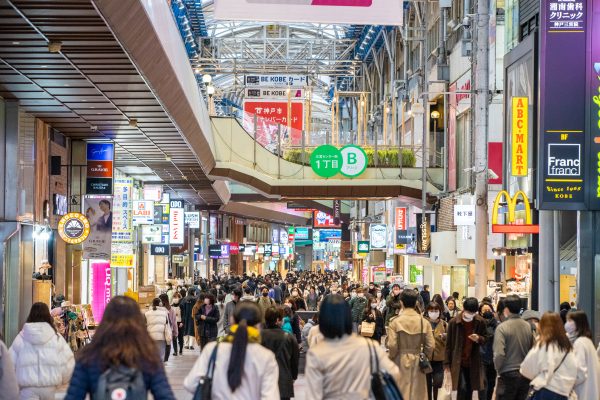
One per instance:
(360, 12)
(327, 160)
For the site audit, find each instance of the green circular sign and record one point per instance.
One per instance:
(326, 161)
(354, 160)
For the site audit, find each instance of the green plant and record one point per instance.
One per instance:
(408, 158)
(389, 158)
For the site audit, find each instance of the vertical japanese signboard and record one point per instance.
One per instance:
(520, 136)
(593, 101)
(121, 223)
(99, 179)
(562, 138)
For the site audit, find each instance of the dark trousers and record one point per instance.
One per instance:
(490, 382)
(465, 389)
(545, 394)
(435, 379)
(204, 340)
(512, 386)
(167, 351)
(178, 340)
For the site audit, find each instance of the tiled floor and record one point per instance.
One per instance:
(179, 366)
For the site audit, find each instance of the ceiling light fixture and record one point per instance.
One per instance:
(206, 79)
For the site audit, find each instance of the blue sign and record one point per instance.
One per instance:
(326, 234)
(100, 151)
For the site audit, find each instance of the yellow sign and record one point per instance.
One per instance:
(74, 228)
(510, 225)
(121, 260)
(520, 136)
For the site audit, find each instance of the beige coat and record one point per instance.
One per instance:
(339, 369)
(405, 335)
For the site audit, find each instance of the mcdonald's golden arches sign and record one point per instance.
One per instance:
(511, 224)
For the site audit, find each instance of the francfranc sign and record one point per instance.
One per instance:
(564, 159)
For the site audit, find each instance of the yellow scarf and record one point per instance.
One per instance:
(253, 334)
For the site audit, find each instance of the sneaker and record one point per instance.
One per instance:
(180, 353)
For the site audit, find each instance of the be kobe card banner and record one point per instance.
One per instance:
(362, 12)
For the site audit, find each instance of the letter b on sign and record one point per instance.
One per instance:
(355, 161)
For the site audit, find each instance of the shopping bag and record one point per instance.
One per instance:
(445, 392)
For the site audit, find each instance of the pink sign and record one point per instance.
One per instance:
(101, 288)
(347, 3)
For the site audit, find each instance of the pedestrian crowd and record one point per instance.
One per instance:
(257, 333)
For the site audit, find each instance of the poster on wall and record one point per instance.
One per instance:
(98, 210)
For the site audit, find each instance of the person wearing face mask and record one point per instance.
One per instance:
(358, 305)
(298, 299)
(372, 289)
(440, 328)
(206, 321)
(486, 310)
(466, 333)
(372, 314)
(380, 302)
(579, 333)
(264, 302)
(512, 341)
(176, 306)
(157, 319)
(393, 303)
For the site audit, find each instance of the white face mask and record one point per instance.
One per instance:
(468, 317)
(570, 327)
(378, 295)
(434, 315)
(373, 305)
(175, 301)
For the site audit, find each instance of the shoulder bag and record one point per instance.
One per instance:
(383, 385)
(424, 364)
(367, 329)
(168, 332)
(204, 388)
(532, 391)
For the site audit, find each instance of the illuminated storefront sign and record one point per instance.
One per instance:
(74, 228)
(101, 288)
(176, 226)
(511, 224)
(520, 136)
(143, 212)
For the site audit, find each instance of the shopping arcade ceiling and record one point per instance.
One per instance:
(88, 88)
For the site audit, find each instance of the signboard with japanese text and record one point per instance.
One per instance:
(358, 12)
(326, 161)
(192, 219)
(323, 220)
(152, 234)
(122, 230)
(520, 136)
(285, 81)
(593, 102)
(464, 215)
(562, 138)
(378, 274)
(176, 226)
(153, 192)
(269, 116)
(274, 93)
(99, 179)
(121, 260)
(143, 212)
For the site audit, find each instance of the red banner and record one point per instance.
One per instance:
(401, 218)
(269, 114)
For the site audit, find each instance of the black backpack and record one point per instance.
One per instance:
(121, 383)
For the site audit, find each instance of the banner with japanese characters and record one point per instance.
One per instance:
(122, 229)
(271, 114)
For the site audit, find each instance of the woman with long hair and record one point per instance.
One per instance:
(206, 321)
(157, 320)
(551, 364)
(120, 341)
(580, 334)
(42, 358)
(164, 299)
(339, 366)
(244, 369)
(176, 306)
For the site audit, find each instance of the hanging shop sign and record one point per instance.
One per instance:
(74, 228)
(270, 115)
(159, 250)
(176, 226)
(152, 234)
(378, 274)
(122, 229)
(520, 136)
(354, 161)
(326, 161)
(363, 247)
(285, 81)
(323, 220)
(268, 249)
(593, 102)
(400, 225)
(337, 211)
(98, 210)
(99, 179)
(192, 219)
(234, 248)
(360, 12)
(177, 259)
(214, 251)
(403, 237)
(121, 260)
(464, 215)
(423, 233)
(153, 192)
(562, 139)
(301, 233)
(101, 285)
(176, 203)
(143, 212)
(511, 224)
(378, 236)
(274, 93)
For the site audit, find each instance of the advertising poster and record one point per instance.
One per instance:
(379, 274)
(192, 219)
(121, 226)
(101, 288)
(271, 114)
(98, 210)
(323, 220)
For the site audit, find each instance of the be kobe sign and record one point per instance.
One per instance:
(327, 161)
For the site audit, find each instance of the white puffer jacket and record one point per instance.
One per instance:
(42, 358)
(156, 321)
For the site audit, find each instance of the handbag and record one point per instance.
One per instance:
(533, 391)
(424, 364)
(204, 388)
(383, 385)
(168, 332)
(367, 329)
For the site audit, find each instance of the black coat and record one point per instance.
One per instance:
(208, 327)
(186, 315)
(285, 348)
